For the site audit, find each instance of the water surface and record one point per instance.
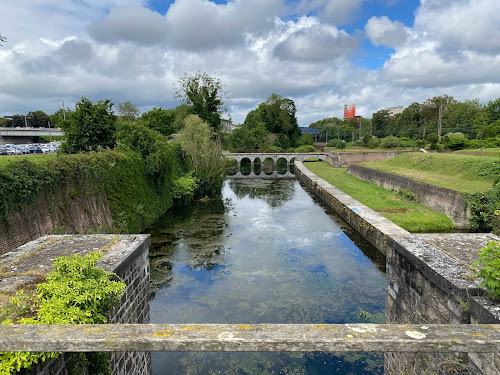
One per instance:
(266, 252)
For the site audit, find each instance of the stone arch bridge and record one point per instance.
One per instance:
(288, 156)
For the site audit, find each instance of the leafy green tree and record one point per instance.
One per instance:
(249, 137)
(204, 95)
(380, 122)
(128, 111)
(159, 119)
(459, 117)
(5, 122)
(408, 122)
(18, 121)
(493, 109)
(278, 114)
(204, 153)
(91, 127)
(38, 119)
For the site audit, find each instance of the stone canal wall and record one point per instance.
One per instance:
(446, 201)
(346, 159)
(429, 281)
(125, 255)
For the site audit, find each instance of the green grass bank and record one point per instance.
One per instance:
(463, 173)
(398, 208)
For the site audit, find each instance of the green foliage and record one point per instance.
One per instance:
(38, 119)
(76, 292)
(489, 259)
(278, 115)
(251, 136)
(389, 142)
(337, 143)
(183, 190)
(407, 194)
(204, 154)
(128, 111)
(454, 141)
(160, 120)
(204, 95)
(91, 127)
(306, 148)
(306, 139)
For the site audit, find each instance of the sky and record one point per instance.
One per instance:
(319, 53)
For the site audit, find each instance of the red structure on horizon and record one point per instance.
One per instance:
(349, 110)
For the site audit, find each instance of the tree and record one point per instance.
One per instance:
(204, 153)
(278, 114)
(18, 121)
(159, 119)
(459, 117)
(38, 119)
(408, 122)
(91, 127)
(128, 111)
(249, 137)
(204, 95)
(380, 122)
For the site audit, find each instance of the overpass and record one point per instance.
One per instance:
(27, 135)
(288, 156)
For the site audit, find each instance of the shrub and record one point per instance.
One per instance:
(337, 143)
(76, 292)
(406, 142)
(305, 148)
(374, 142)
(389, 142)
(489, 258)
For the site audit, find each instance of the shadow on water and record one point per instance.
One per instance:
(264, 253)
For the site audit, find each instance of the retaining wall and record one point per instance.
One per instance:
(63, 210)
(446, 201)
(429, 281)
(345, 159)
(125, 255)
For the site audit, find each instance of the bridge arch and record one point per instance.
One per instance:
(260, 157)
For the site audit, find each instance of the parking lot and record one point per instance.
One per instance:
(30, 148)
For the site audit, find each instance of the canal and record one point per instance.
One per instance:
(267, 251)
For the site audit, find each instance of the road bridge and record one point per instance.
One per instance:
(27, 135)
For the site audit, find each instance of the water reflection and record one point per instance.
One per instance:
(266, 254)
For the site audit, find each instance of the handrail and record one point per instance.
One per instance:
(252, 338)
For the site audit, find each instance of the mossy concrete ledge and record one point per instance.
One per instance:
(252, 338)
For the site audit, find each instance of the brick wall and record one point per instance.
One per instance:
(125, 255)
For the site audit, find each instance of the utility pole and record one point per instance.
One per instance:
(425, 127)
(359, 127)
(371, 128)
(327, 134)
(64, 110)
(25, 121)
(440, 120)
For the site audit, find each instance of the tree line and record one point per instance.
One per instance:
(442, 119)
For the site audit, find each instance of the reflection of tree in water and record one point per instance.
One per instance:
(195, 230)
(273, 192)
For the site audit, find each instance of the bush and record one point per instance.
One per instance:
(274, 149)
(76, 292)
(374, 142)
(389, 142)
(406, 142)
(489, 258)
(305, 148)
(337, 143)
(421, 143)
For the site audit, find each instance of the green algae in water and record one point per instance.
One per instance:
(265, 253)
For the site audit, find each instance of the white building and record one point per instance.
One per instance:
(394, 110)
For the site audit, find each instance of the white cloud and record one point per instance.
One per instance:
(383, 31)
(339, 12)
(132, 24)
(202, 24)
(316, 43)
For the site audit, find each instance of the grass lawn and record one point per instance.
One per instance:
(487, 152)
(35, 158)
(366, 149)
(464, 173)
(407, 214)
